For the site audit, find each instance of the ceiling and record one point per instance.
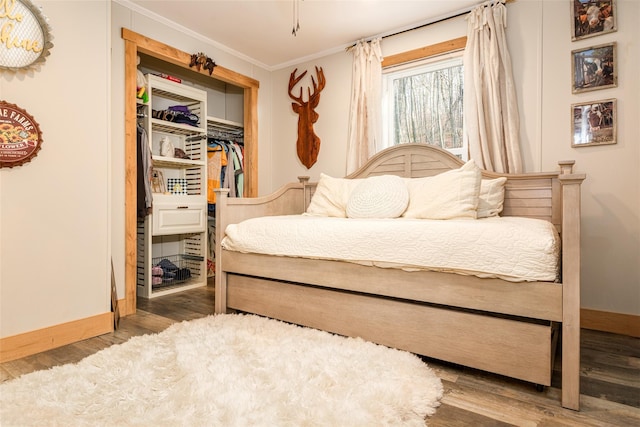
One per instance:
(260, 31)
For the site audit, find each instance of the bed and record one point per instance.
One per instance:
(503, 322)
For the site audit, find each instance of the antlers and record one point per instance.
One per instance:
(314, 98)
(308, 143)
(200, 60)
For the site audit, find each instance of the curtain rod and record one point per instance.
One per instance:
(455, 14)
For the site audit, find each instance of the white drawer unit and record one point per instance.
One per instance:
(177, 218)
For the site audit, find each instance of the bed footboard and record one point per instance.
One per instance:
(571, 183)
(289, 200)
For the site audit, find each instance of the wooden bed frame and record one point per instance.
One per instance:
(489, 324)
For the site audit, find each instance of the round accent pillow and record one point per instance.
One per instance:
(384, 196)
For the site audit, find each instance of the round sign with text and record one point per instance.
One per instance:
(25, 36)
(20, 136)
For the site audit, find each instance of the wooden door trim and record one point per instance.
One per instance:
(180, 58)
(425, 52)
(136, 43)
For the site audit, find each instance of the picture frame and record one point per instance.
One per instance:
(594, 67)
(594, 123)
(157, 182)
(591, 18)
(177, 185)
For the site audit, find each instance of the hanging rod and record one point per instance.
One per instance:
(436, 20)
(225, 129)
(221, 134)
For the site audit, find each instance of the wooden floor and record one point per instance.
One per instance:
(610, 366)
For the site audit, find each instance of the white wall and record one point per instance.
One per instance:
(611, 193)
(333, 109)
(540, 45)
(54, 210)
(62, 214)
(331, 126)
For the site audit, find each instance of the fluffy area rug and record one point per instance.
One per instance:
(229, 370)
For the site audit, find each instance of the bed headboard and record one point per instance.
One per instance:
(534, 195)
(409, 161)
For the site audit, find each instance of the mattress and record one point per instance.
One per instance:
(510, 248)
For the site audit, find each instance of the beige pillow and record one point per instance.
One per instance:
(491, 198)
(331, 196)
(384, 196)
(449, 195)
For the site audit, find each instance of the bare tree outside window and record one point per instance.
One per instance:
(425, 105)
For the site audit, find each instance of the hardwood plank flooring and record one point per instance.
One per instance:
(610, 374)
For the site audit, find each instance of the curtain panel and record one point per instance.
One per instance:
(492, 124)
(364, 137)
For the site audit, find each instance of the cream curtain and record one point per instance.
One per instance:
(492, 124)
(365, 127)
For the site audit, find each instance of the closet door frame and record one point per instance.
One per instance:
(136, 43)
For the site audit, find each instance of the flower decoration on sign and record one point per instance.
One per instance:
(25, 35)
(200, 60)
(20, 136)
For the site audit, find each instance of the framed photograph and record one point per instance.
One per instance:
(594, 123)
(594, 68)
(591, 18)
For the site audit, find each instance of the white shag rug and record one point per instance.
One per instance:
(229, 370)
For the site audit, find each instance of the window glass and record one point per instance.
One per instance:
(422, 103)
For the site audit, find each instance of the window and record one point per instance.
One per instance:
(422, 103)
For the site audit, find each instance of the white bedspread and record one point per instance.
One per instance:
(511, 248)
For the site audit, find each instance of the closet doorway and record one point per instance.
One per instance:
(138, 45)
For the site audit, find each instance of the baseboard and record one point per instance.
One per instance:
(22, 345)
(617, 323)
(125, 308)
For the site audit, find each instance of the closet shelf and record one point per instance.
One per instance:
(223, 124)
(172, 162)
(179, 92)
(176, 128)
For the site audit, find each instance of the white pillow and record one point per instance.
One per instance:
(491, 199)
(331, 196)
(384, 196)
(452, 194)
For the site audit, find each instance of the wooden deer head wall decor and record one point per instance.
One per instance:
(308, 143)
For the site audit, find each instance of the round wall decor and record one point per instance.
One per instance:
(25, 35)
(20, 136)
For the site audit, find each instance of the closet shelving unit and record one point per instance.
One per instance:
(175, 233)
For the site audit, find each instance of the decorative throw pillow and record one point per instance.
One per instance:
(491, 199)
(449, 195)
(384, 196)
(331, 196)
